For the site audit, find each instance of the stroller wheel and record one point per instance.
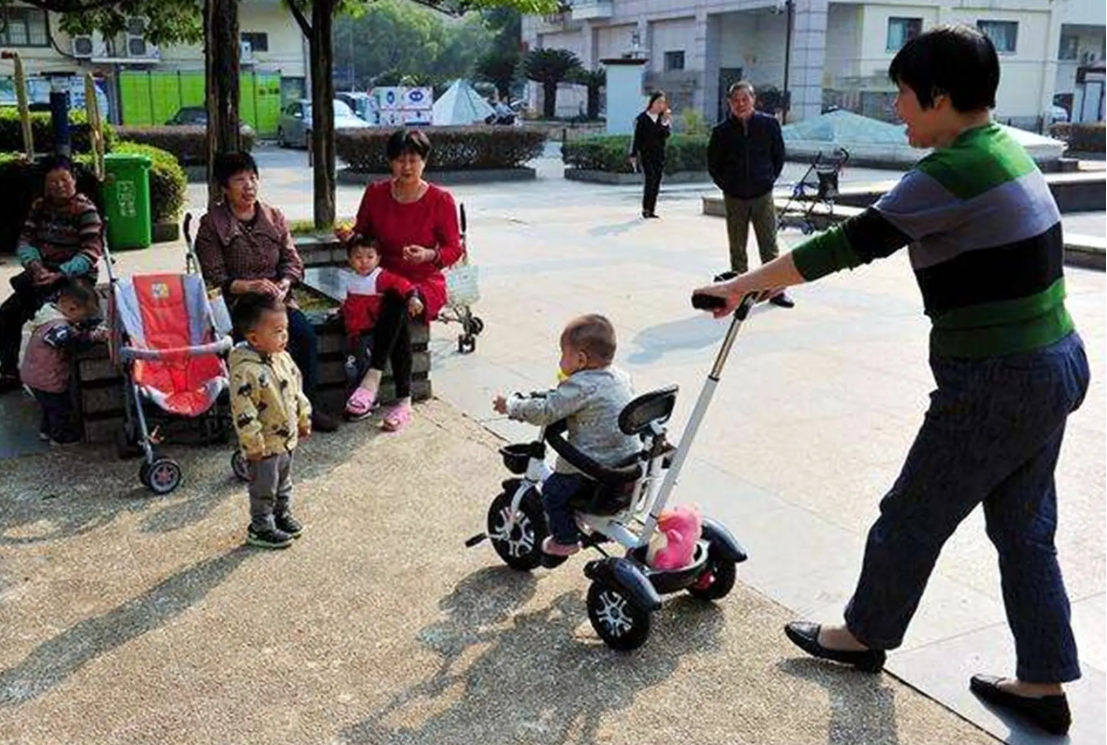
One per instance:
(466, 344)
(162, 476)
(476, 326)
(239, 466)
(620, 623)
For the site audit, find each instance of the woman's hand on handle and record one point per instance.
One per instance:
(765, 282)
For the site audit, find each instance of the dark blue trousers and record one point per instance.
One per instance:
(991, 437)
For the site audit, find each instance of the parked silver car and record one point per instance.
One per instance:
(294, 129)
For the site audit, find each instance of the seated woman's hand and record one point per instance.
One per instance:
(419, 254)
(259, 286)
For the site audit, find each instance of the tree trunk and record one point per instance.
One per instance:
(593, 102)
(549, 100)
(221, 67)
(322, 111)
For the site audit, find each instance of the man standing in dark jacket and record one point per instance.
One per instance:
(745, 158)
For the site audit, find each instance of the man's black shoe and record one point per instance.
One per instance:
(268, 538)
(1051, 713)
(725, 276)
(286, 523)
(323, 422)
(783, 301)
(806, 636)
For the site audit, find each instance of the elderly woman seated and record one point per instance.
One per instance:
(244, 246)
(62, 238)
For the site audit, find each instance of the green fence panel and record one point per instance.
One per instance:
(134, 94)
(268, 104)
(192, 89)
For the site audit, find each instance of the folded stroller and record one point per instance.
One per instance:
(814, 195)
(164, 340)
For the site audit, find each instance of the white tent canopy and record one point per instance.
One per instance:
(461, 105)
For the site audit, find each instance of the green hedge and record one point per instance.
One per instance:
(11, 131)
(188, 142)
(609, 153)
(1084, 137)
(168, 182)
(452, 148)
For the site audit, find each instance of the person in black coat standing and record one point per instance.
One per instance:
(745, 157)
(647, 149)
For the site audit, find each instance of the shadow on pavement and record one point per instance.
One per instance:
(862, 708)
(56, 659)
(508, 677)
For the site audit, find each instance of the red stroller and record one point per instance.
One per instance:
(164, 339)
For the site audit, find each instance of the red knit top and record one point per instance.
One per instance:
(430, 222)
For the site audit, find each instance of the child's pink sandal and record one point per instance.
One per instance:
(360, 404)
(397, 418)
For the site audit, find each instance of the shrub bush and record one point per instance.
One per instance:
(609, 153)
(11, 131)
(168, 182)
(452, 148)
(1084, 137)
(188, 142)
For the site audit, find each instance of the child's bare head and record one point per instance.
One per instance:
(363, 254)
(77, 299)
(588, 342)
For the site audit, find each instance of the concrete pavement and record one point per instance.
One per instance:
(378, 627)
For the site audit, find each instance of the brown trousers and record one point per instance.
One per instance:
(739, 214)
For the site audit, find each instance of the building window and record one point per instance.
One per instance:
(258, 41)
(1004, 34)
(24, 27)
(674, 61)
(901, 31)
(1070, 45)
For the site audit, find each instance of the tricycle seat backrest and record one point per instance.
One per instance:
(655, 406)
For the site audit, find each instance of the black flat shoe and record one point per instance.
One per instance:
(725, 276)
(782, 301)
(806, 636)
(1051, 713)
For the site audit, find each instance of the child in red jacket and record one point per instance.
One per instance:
(366, 284)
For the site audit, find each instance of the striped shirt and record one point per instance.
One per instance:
(985, 244)
(66, 238)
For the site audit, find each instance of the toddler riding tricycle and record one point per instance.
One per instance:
(621, 505)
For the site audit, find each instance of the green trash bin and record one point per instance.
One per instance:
(126, 197)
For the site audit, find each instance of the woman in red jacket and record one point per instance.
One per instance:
(415, 225)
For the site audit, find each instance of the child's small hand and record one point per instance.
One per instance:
(100, 333)
(414, 306)
(305, 431)
(499, 405)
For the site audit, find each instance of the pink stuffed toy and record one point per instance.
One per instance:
(673, 544)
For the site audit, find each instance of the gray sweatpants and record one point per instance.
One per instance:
(270, 489)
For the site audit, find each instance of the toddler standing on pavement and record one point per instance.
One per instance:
(271, 414)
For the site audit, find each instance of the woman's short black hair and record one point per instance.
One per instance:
(57, 162)
(654, 96)
(957, 61)
(251, 307)
(405, 141)
(228, 165)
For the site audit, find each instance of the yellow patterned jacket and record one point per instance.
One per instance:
(267, 401)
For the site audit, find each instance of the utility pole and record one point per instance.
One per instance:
(790, 12)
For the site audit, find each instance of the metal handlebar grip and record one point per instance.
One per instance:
(703, 301)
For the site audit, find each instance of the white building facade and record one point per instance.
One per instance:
(839, 52)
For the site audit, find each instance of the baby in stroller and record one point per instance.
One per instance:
(590, 396)
(366, 284)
